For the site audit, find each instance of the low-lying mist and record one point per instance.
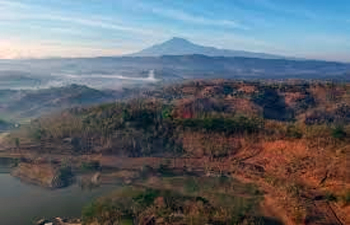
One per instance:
(18, 80)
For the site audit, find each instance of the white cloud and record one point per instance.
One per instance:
(13, 11)
(12, 4)
(189, 18)
(181, 15)
(36, 19)
(96, 23)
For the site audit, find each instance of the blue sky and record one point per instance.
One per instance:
(45, 28)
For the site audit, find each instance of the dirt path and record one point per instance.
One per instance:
(271, 209)
(318, 212)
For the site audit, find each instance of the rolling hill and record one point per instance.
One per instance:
(290, 139)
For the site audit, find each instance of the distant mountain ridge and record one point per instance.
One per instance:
(181, 46)
(95, 72)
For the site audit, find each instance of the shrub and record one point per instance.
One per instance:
(15, 162)
(90, 166)
(330, 197)
(228, 90)
(147, 197)
(104, 212)
(17, 142)
(65, 175)
(224, 125)
(165, 169)
(166, 112)
(339, 132)
(317, 131)
(37, 134)
(294, 132)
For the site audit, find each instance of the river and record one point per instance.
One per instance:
(22, 204)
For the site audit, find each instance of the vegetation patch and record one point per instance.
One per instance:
(166, 207)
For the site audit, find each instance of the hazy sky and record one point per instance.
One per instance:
(44, 28)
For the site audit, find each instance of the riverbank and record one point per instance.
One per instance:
(44, 175)
(130, 169)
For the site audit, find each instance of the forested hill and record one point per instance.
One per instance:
(157, 121)
(290, 137)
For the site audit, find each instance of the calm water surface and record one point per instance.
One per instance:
(21, 203)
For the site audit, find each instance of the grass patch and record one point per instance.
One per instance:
(191, 185)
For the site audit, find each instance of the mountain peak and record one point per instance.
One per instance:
(178, 40)
(181, 46)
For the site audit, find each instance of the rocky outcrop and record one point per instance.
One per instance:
(44, 175)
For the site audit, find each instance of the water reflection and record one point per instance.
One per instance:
(26, 203)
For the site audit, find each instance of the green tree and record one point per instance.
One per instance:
(339, 132)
